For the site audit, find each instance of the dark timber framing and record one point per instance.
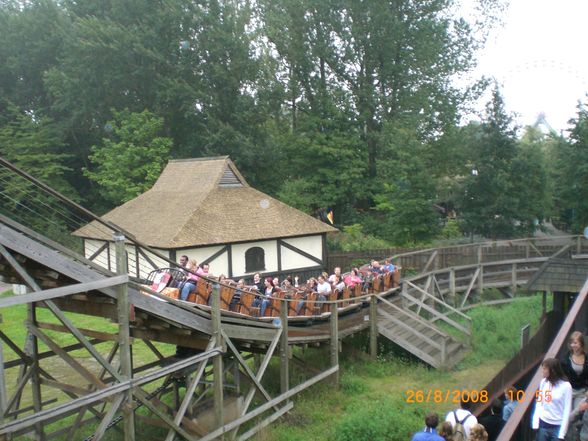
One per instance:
(121, 389)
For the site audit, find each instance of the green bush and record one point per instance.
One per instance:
(353, 238)
(496, 328)
(352, 385)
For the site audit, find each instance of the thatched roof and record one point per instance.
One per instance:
(205, 201)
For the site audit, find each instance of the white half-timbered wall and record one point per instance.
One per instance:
(281, 255)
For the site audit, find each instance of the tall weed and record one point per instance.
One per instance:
(496, 329)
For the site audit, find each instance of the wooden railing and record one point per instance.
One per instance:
(525, 360)
(431, 259)
(433, 309)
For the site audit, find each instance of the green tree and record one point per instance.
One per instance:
(572, 193)
(378, 64)
(404, 206)
(34, 145)
(488, 205)
(531, 180)
(130, 162)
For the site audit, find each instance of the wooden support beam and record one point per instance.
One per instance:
(24, 359)
(80, 391)
(439, 291)
(124, 342)
(142, 397)
(58, 412)
(22, 381)
(217, 362)
(66, 357)
(513, 280)
(63, 291)
(3, 401)
(34, 368)
(151, 346)
(284, 349)
(26, 409)
(430, 261)
(334, 346)
(266, 422)
(471, 285)
(265, 407)
(260, 372)
(96, 335)
(82, 339)
(246, 368)
(373, 327)
(190, 389)
(101, 430)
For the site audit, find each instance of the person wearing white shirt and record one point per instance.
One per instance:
(463, 414)
(553, 402)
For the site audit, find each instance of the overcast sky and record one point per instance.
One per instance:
(539, 56)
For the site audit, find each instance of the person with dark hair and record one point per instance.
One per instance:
(430, 431)
(353, 278)
(553, 403)
(269, 291)
(258, 282)
(575, 367)
(462, 417)
(493, 423)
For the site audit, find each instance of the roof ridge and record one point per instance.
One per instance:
(205, 158)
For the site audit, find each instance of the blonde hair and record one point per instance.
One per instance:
(577, 336)
(478, 433)
(446, 431)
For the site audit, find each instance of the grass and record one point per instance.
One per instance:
(371, 402)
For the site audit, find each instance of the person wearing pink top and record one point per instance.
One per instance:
(191, 278)
(353, 278)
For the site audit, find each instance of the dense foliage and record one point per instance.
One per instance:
(323, 103)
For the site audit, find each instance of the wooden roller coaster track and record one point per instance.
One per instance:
(227, 352)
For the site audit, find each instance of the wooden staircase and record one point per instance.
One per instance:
(418, 336)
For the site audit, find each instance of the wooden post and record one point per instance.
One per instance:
(404, 294)
(334, 322)
(480, 286)
(579, 245)
(217, 362)
(452, 285)
(3, 402)
(284, 355)
(237, 377)
(124, 337)
(527, 251)
(513, 281)
(374, 327)
(33, 352)
(443, 350)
